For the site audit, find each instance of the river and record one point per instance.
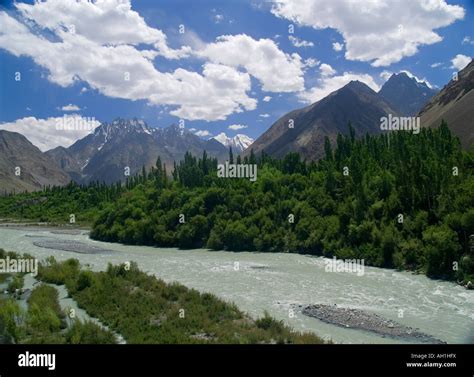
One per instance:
(280, 282)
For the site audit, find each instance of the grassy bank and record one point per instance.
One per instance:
(43, 322)
(144, 309)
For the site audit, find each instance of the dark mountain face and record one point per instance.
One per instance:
(406, 94)
(455, 104)
(125, 146)
(355, 103)
(36, 169)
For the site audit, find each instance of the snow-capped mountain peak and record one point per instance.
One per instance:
(239, 142)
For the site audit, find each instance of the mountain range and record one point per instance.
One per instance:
(239, 142)
(304, 130)
(105, 154)
(401, 95)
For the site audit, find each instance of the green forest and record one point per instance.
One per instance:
(397, 200)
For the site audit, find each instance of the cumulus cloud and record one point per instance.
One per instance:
(122, 71)
(327, 70)
(436, 65)
(267, 99)
(70, 107)
(236, 127)
(460, 61)
(218, 18)
(311, 62)
(327, 85)
(295, 41)
(336, 46)
(467, 40)
(52, 132)
(203, 133)
(104, 22)
(380, 31)
(260, 58)
(385, 75)
(109, 46)
(264, 115)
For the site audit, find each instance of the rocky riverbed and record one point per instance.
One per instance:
(361, 320)
(70, 245)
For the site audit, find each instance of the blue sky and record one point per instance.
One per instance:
(235, 63)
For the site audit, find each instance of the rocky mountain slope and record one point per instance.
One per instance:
(23, 167)
(455, 104)
(304, 130)
(406, 94)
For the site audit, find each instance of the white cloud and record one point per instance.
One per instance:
(213, 95)
(70, 107)
(111, 22)
(385, 75)
(264, 115)
(203, 133)
(467, 40)
(460, 61)
(336, 46)
(236, 127)
(380, 31)
(327, 85)
(436, 65)
(109, 46)
(327, 70)
(311, 62)
(295, 41)
(267, 99)
(52, 132)
(261, 58)
(217, 17)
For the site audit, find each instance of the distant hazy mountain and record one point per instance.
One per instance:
(105, 154)
(455, 104)
(406, 94)
(36, 169)
(239, 142)
(355, 102)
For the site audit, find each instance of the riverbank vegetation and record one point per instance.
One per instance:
(144, 309)
(56, 204)
(43, 322)
(396, 200)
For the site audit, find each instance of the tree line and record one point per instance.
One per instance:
(397, 200)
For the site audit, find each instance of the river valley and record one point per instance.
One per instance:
(278, 283)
